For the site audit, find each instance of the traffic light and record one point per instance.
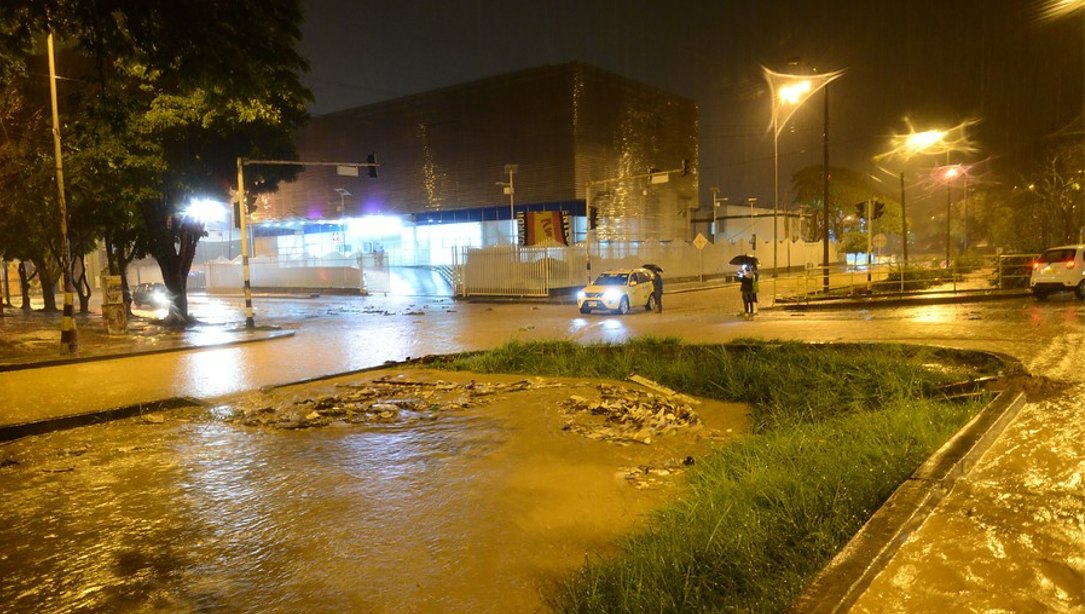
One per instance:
(593, 217)
(879, 209)
(371, 159)
(685, 167)
(860, 210)
(237, 212)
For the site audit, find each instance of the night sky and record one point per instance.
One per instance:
(937, 62)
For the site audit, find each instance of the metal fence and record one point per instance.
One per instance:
(514, 271)
(968, 275)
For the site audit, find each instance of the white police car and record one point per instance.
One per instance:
(618, 291)
(1059, 269)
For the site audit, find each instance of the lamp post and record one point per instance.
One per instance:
(788, 93)
(510, 189)
(716, 202)
(792, 93)
(343, 193)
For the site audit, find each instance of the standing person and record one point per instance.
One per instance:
(657, 289)
(747, 284)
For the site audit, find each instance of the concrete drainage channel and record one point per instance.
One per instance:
(844, 579)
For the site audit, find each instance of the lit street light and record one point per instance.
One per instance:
(928, 142)
(788, 93)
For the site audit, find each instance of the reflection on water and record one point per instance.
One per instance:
(208, 517)
(215, 372)
(463, 514)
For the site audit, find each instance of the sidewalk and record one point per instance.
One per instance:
(32, 339)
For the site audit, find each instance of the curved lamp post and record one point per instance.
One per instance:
(789, 91)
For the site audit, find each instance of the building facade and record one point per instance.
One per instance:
(513, 158)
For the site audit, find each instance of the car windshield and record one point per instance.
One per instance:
(1057, 255)
(612, 279)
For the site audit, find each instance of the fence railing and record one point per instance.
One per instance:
(516, 271)
(977, 274)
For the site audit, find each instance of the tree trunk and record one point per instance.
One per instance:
(82, 285)
(48, 288)
(173, 246)
(24, 285)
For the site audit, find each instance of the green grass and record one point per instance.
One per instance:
(836, 428)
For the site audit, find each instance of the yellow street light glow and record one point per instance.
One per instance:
(952, 172)
(929, 142)
(922, 141)
(793, 93)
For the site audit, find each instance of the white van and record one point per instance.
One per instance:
(1059, 269)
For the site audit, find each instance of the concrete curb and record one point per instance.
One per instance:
(901, 301)
(11, 432)
(849, 574)
(113, 356)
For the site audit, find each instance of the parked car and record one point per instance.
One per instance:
(155, 295)
(618, 291)
(1059, 269)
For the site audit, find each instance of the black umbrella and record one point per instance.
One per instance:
(744, 259)
(655, 268)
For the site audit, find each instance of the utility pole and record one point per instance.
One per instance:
(349, 169)
(69, 343)
(903, 220)
(825, 195)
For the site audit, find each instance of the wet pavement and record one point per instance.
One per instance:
(1009, 536)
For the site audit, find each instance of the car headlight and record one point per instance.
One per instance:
(612, 295)
(580, 295)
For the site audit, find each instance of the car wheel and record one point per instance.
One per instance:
(1041, 295)
(1080, 290)
(651, 304)
(623, 307)
(585, 310)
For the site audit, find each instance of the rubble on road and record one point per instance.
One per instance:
(628, 415)
(380, 401)
(617, 413)
(648, 476)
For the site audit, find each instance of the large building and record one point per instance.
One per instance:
(565, 137)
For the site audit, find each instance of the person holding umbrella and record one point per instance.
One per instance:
(747, 283)
(657, 285)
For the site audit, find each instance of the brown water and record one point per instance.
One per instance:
(476, 511)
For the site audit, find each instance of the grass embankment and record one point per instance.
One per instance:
(836, 430)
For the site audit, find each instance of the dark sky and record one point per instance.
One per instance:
(938, 62)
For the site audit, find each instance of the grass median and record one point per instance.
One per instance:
(836, 428)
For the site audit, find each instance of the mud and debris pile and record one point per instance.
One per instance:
(379, 401)
(620, 414)
(628, 415)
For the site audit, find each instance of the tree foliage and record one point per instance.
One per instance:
(849, 190)
(167, 95)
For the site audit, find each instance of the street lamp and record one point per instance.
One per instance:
(789, 91)
(949, 174)
(716, 202)
(510, 189)
(343, 193)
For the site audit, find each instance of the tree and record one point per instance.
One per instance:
(167, 110)
(847, 189)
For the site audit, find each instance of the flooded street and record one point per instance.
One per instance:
(474, 511)
(480, 509)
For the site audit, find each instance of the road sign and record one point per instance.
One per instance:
(700, 241)
(879, 240)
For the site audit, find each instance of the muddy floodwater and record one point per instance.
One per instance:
(473, 508)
